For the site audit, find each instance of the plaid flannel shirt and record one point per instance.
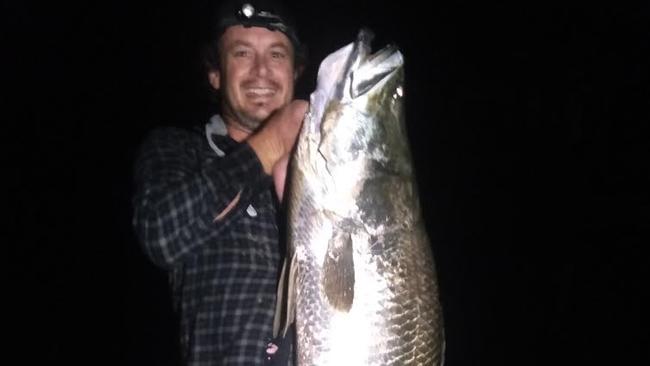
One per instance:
(223, 272)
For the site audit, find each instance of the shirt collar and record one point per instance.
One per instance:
(216, 126)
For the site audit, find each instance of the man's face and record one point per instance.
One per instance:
(256, 76)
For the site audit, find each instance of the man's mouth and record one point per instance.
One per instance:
(260, 92)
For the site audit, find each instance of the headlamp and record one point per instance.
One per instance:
(249, 15)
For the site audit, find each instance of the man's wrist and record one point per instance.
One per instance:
(266, 150)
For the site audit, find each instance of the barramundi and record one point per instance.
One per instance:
(362, 284)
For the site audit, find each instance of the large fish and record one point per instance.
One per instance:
(362, 280)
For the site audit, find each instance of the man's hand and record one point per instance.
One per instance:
(280, 175)
(275, 140)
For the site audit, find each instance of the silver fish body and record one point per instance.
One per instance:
(363, 271)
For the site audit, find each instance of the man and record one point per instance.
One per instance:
(205, 208)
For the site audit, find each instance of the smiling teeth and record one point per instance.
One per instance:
(261, 91)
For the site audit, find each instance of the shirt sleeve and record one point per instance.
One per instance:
(179, 190)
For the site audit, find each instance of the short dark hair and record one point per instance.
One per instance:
(271, 14)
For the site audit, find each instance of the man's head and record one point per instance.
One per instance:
(254, 62)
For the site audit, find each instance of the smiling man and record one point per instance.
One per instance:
(205, 207)
(256, 74)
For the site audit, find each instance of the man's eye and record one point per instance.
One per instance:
(278, 55)
(241, 53)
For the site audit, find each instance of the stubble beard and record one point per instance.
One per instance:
(241, 120)
(247, 122)
(250, 120)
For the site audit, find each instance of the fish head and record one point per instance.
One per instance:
(355, 131)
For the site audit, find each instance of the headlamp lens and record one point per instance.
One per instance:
(247, 10)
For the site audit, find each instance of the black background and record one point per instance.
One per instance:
(528, 124)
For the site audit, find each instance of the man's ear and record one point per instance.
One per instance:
(215, 79)
(297, 72)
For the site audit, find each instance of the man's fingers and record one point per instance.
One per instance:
(299, 109)
(228, 208)
(279, 175)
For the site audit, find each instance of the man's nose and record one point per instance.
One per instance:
(260, 67)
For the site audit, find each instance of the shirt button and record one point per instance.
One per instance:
(251, 211)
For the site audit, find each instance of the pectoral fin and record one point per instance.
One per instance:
(338, 272)
(285, 310)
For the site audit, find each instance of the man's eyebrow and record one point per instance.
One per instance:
(244, 43)
(279, 45)
(239, 42)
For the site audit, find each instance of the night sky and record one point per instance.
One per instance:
(528, 125)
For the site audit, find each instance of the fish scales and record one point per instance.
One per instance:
(363, 280)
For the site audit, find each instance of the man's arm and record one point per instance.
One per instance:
(273, 143)
(184, 201)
